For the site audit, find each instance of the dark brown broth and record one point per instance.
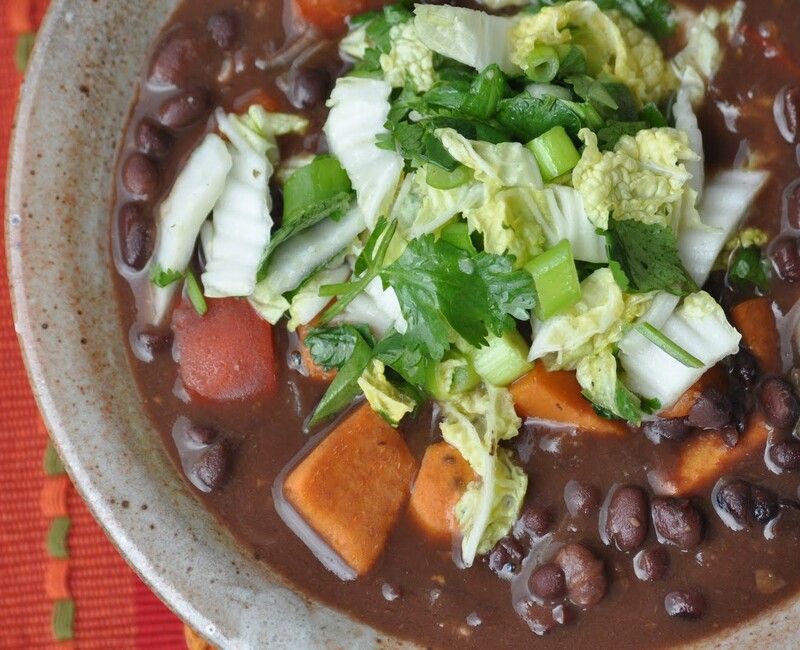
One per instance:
(436, 597)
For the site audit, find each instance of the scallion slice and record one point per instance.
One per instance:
(442, 179)
(555, 153)
(195, 293)
(555, 279)
(669, 346)
(543, 64)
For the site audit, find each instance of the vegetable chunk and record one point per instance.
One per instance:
(329, 15)
(228, 354)
(442, 480)
(556, 396)
(314, 371)
(755, 321)
(351, 488)
(706, 457)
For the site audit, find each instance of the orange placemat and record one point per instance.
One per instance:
(62, 584)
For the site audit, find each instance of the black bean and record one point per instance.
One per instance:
(155, 341)
(152, 140)
(677, 522)
(201, 435)
(670, 429)
(786, 259)
(535, 522)
(651, 564)
(779, 403)
(309, 87)
(741, 504)
(712, 410)
(212, 468)
(223, 27)
(140, 176)
(584, 574)
(185, 108)
(136, 235)
(627, 519)
(538, 617)
(786, 455)
(548, 582)
(764, 505)
(787, 113)
(505, 558)
(730, 436)
(563, 615)
(174, 59)
(685, 604)
(791, 204)
(581, 499)
(794, 380)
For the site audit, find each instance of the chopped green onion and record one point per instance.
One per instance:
(555, 280)
(669, 346)
(162, 278)
(555, 153)
(332, 290)
(442, 179)
(195, 294)
(313, 185)
(457, 234)
(503, 360)
(543, 64)
(572, 60)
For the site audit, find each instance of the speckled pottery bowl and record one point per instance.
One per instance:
(80, 85)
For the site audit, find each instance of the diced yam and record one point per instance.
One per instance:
(314, 371)
(228, 354)
(352, 487)
(556, 396)
(705, 458)
(714, 378)
(442, 480)
(755, 321)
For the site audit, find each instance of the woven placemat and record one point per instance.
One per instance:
(62, 584)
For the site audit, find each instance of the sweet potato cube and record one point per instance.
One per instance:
(556, 396)
(314, 371)
(443, 477)
(756, 323)
(350, 489)
(706, 458)
(713, 378)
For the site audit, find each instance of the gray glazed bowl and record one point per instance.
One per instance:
(79, 88)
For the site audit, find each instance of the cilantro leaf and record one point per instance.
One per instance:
(164, 277)
(441, 287)
(645, 258)
(749, 265)
(527, 117)
(409, 362)
(655, 16)
(331, 347)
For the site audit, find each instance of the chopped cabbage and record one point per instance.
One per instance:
(614, 45)
(726, 200)
(686, 121)
(421, 209)
(475, 423)
(385, 399)
(359, 109)
(242, 220)
(299, 257)
(307, 303)
(644, 178)
(494, 5)
(474, 38)
(196, 190)
(597, 375)
(355, 44)
(565, 339)
(376, 307)
(560, 212)
(508, 164)
(700, 327)
(409, 59)
(701, 57)
(746, 238)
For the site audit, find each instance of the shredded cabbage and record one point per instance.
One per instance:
(307, 303)
(376, 307)
(242, 221)
(471, 37)
(644, 178)
(359, 109)
(475, 423)
(385, 399)
(409, 59)
(196, 190)
(686, 121)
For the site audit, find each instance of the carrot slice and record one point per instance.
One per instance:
(330, 15)
(556, 396)
(351, 488)
(228, 354)
(314, 371)
(443, 477)
(756, 322)
(714, 378)
(705, 458)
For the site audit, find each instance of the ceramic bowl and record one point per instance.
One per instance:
(79, 89)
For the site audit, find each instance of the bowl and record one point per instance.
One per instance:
(74, 103)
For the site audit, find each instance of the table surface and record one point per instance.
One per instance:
(62, 584)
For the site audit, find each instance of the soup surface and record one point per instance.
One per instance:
(605, 550)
